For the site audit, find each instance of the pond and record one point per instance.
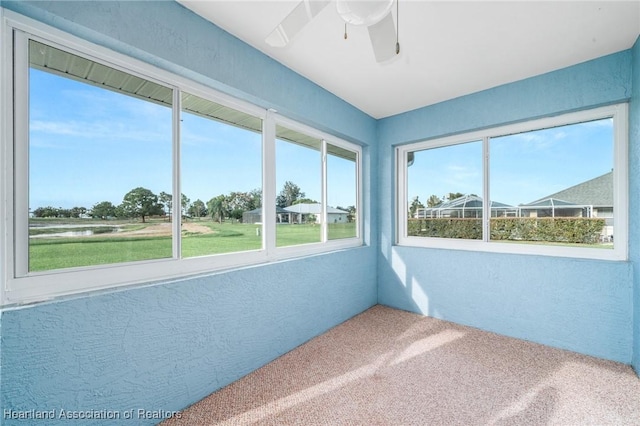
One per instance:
(62, 231)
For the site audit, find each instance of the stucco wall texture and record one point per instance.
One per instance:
(165, 345)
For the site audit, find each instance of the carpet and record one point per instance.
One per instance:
(391, 367)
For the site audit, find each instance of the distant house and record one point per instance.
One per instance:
(467, 206)
(555, 207)
(313, 213)
(255, 216)
(592, 198)
(298, 213)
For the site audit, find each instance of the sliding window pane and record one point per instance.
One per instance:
(221, 156)
(342, 193)
(444, 188)
(99, 154)
(554, 186)
(298, 179)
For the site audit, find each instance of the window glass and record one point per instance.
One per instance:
(299, 186)
(221, 155)
(99, 156)
(554, 186)
(342, 193)
(444, 191)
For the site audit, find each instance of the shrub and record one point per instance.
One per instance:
(561, 230)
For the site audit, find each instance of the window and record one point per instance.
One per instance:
(452, 175)
(122, 173)
(318, 185)
(342, 193)
(556, 186)
(221, 178)
(99, 152)
(299, 181)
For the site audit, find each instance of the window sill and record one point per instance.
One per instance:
(615, 254)
(36, 287)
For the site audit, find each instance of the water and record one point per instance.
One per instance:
(71, 233)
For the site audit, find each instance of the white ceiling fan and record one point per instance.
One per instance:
(374, 14)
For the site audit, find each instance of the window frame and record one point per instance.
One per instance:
(617, 112)
(326, 138)
(19, 287)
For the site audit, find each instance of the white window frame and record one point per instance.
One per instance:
(18, 286)
(326, 139)
(619, 114)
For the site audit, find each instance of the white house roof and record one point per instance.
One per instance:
(311, 209)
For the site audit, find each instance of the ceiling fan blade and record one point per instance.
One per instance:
(300, 16)
(383, 38)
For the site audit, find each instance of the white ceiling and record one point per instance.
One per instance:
(448, 48)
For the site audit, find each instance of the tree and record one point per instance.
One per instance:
(45, 212)
(242, 201)
(289, 194)
(414, 206)
(218, 208)
(197, 209)
(433, 201)
(185, 204)
(167, 201)
(236, 214)
(103, 210)
(454, 195)
(304, 201)
(351, 212)
(141, 202)
(256, 198)
(78, 212)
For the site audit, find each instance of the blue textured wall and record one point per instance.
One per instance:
(634, 201)
(581, 305)
(165, 346)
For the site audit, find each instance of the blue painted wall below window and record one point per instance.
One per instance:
(163, 347)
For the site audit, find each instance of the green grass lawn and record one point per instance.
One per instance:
(57, 253)
(290, 235)
(227, 238)
(47, 254)
(338, 231)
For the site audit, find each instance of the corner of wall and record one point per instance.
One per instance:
(634, 201)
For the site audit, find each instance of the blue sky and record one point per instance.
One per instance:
(89, 145)
(523, 167)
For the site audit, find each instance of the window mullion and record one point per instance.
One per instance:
(21, 154)
(323, 206)
(176, 207)
(269, 183)
(486, 196)
(401, 185)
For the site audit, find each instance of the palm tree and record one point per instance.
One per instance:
(218, 207)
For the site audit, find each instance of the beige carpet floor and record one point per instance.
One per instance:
(390, 367)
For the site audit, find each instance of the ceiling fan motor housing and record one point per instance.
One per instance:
(359, 12)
